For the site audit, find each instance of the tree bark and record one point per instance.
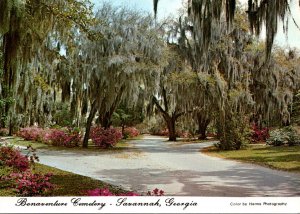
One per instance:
(171, 128)
(203, 123)
(66, 92)
(106, 119)
(88, 125)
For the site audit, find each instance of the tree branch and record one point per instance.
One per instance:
(155, 101)
(164, 95)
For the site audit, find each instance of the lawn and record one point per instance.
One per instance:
(67, 184)
(17, 141)
(282, 157)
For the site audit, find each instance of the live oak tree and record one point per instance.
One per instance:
(28, 48)
(117, 66)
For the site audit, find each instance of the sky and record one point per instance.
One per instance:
(170, 7)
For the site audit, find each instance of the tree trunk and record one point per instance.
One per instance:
(171, 128)
(88, 125)
(203, 122)
(106, 120)
(66, 92)
(123, 130)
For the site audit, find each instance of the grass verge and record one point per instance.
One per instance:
(16, 141)
(285, 158)
(67, 183)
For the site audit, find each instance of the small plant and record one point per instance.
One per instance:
(105, 138)
(29, 184)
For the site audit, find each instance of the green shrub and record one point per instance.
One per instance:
(233, 132)
(63, 116)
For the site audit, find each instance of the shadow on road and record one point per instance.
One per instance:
(215, 183)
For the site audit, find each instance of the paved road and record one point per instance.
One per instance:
(177, 169)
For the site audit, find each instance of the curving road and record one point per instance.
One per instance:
(178, 169)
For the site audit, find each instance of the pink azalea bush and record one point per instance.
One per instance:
(58, 137)
(23, 181)
(131, 132)
(31, 133)
(105, 138)
(29, 184)
(13, 158)
(55, 137)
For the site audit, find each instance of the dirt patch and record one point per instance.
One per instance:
(129, 155)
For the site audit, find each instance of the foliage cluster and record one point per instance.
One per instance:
(287, 135)
(62, 116)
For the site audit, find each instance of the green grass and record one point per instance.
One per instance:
(122, 145)
(21, 142)
(283, 157)
(67, 184)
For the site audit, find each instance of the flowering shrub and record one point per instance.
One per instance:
(67, 138)
(105, 138)
(131, 132)
(13, 158)
(31, 133)
(29, 184)
(259, 135)
(56, 137)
